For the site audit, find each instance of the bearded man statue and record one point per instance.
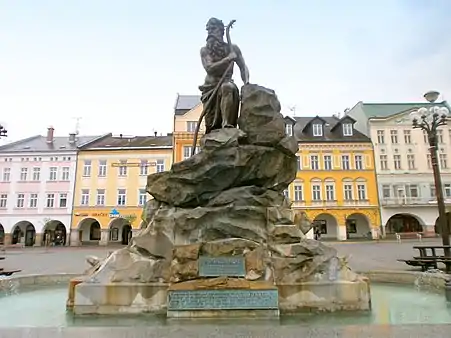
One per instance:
(216, 57)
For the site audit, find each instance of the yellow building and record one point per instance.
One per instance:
(110, 186)
(186, 115)
(336, 180)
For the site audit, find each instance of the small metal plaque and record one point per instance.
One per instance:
(189, 300)
(222, 266)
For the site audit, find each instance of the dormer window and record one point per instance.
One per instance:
(289, 129)
(347, 129)
(317, 129)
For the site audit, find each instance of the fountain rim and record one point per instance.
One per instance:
(377, 276)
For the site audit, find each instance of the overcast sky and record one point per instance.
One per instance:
(118, 65)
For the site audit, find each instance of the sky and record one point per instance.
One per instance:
(118, 65)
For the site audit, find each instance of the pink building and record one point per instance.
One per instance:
(37, 177)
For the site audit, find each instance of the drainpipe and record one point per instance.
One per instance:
(382, 228)
(73, 199)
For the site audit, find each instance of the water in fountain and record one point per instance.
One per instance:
(8, 286)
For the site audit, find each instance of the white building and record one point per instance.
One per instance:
(37, 177)
(403, 166)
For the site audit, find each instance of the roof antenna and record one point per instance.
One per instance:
(77, 124)
(293, 110)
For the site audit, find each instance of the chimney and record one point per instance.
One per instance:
(155, 133)
(72, 138)
(50, 131)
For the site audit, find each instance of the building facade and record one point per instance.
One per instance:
(36, 188)
(336, 181)
(403, 165)
(110, 186)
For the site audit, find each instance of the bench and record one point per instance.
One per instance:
(426, 261)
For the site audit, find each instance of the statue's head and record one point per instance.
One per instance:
(215, 28)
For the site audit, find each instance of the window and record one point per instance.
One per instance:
(327, 162)
(407, 137)
(160, 166)
(121, 197)
(425, 136)
(361, 191)
(358, 159)
(345, 162)
(84, 197)
(440, 135)
(143, 166)
(330, 192)
(285, 193)
(33, 203)
(386, 191)
(53, 173)
(186, 152)
(100, 200)
(317, 130)
(23, 174)
(36, 174)
(380, 137)
(316, 192)
(397, 161)
(298, 195)
(443, 161)
(65, 174)
(347, 129)
(348, 191)
(411, 161)
(433, 191)
(412, 191)
(123, 168)
(6, 174)
(314, 162)
(3, 200)
(102, 168)
(63, 201)
(394, 136)
(447, 190)
(20, 200)
(50, 201)
(299, 161)
(142, 198)
(429, 161)
(289, 129)
(87, 168)
(191, 126)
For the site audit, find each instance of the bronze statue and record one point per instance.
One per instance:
(220, 95)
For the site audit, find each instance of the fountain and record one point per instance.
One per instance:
(221, 238)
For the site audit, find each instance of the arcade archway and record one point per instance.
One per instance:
(89, 231)
(403, 223)
(23, 232)
(54, 233)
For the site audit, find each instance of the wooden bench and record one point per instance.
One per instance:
(426, 260)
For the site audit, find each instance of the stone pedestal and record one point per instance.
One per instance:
(119, 298)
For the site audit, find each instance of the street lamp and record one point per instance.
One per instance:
(3, 131)
(429, 119)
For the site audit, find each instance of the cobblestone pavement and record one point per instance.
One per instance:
(363, 256)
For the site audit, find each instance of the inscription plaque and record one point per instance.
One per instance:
(180, 300)
(222, 266)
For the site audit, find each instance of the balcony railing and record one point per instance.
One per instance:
(400, 201)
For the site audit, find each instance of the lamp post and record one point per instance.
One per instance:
(3, 131)
(429, 119)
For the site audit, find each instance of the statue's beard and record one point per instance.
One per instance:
(217, 47)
